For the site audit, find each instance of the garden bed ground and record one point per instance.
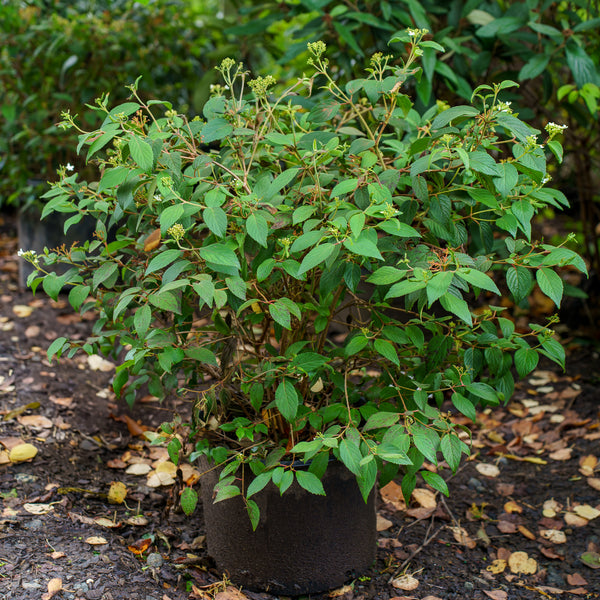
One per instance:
(528, 501)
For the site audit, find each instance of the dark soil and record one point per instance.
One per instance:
(84, 443)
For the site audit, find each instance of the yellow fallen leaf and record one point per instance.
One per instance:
(95, 540)
(524, 531)
(38, 509)
(587, 465)
(405, 582)
(512, 507)
(586, 511)
(166, 467)
(520, 562)
(117, 492)
(152, 241)
(4, 459)
(392, 494)
(22, 452)
(497, 566)
(22, 310)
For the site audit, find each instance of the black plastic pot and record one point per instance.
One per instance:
(304, 544)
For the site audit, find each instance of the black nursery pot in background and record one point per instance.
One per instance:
(304, 543)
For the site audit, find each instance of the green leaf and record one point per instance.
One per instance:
(464, 406)
(554, 351)
(483, 163)
(283, 179)
(518, 280)
(456, 112)
(257, 228)
(141, 152)
(280, 314)
(457, 306)
(166, 301)
(483, 391)
(350, 455)
(426, 441)
(216, 220)
(363, 246)
(523, 211)
(309, 361)
(215, 129)
(310, 482)
(169, 216)
(534, 66)
(142, 319)
(451, 448)
(104, 272)
(507, 180)
(438, 285)
(219, 254)
(259, 483)
(387, 350)
(381, 419)
(286, 399)
(226, 492)
(344, 187)
(478, 279)
(355, 344)
(551, 284)
(253, 513)
(78, 295)
(161, 260)
(386, 276)
(405, 287)
(436, 482)
(526, 360)
(315, 257)
(201, 355)
(188, 500)
(581, 65)
(56, 347)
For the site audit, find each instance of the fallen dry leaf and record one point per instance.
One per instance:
(586, 511)
(392, 493)
(65, 401)
(32, 331)
(383, 523)
(562, 454)
(138, 469)
(95, 540)
(405, 582)
(587, 465)
(487, 470)
(22, 452)
(38, 509)
(22, 310)
(462, 537)
(137, 520)
(594, 482)
(57, 554)
(551, 508)
(343, 591)
(554, 535)
(496, 594)
(591, 559)
(157, 479)
(104, 522)
(520, 562)
(576, 579)
(524, 531)
(575, 520)
(512, 507)
(54, 586)
(117, 492)
(497, 566)
(97, 363)
(35, 421)
(424, 497)
(140, 546)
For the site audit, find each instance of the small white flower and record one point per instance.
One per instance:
(69, 167)
(546, 179)
(21, 252)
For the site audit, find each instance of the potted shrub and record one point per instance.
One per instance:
(322, 275)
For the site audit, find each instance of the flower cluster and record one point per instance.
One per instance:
(176, 231)
(260, 85)
(553, 128)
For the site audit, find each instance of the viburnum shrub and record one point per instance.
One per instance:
(320, 273)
